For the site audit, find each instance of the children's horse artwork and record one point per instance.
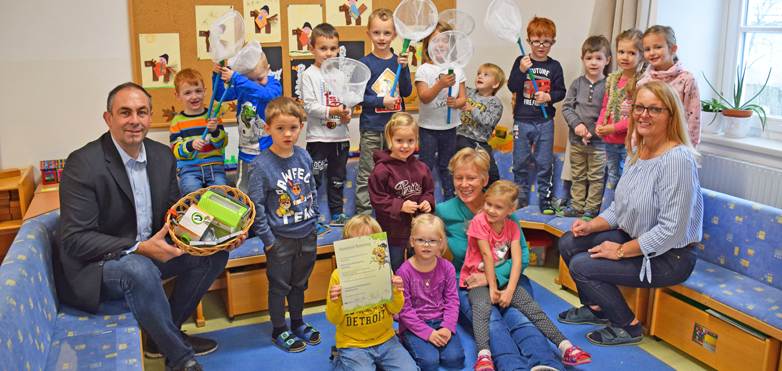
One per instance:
(302, 36)
(262, 19)
(352, 12)
(160, 68)
(206, 35)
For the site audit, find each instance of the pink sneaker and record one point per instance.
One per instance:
(484, 363)
(575, 356)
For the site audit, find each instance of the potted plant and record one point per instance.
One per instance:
(711, 120)
(738, 115)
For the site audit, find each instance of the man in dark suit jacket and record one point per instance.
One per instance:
(114, 194)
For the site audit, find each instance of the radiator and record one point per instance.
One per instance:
(742, 179)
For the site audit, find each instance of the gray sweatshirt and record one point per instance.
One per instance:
(284, 195)
(480, 123)
(582, 104)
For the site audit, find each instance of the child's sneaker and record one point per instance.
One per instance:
(339, 219)
(484, 363)
(322, 228)
(588, 215)
(575, 356)
(545, 207)
(570, 212)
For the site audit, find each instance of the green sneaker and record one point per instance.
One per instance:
(339, 219)
(546, 208)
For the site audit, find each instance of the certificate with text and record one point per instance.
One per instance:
(364, 268)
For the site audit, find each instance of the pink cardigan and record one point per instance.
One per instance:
(685, 83)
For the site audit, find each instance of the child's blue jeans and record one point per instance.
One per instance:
(390, 355)
(443, 143)
(429, 357)
(540, 134)
(617, 153)
(193, 178)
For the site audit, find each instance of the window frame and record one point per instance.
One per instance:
(733, 45)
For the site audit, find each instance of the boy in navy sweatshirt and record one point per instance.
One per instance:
(530, 127)
(380, 103)
(283, 191)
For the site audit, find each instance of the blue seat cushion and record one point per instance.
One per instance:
(562, 224)
(532, 214)
(748, 296)
(109, 339)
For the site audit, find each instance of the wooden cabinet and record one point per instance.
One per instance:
(16, 192)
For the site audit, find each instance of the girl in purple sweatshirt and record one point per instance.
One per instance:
(400, 186)
(427, 322)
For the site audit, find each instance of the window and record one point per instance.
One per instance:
(754, 40)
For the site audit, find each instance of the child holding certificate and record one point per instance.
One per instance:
(365, 339)
(427, 322)
(400, 185)
(493, 239)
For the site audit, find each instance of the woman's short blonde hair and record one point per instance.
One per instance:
(434, 222)
(400, 120)
(503, 190)
(359, 222)
(479, 159)
(677, 126)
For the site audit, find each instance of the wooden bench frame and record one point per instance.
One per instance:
(745, 351)
(225, 283)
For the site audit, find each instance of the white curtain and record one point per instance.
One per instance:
(611, 17)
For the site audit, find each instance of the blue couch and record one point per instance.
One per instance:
(737, 260)
(37, 332)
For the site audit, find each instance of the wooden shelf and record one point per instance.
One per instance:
(11, 225)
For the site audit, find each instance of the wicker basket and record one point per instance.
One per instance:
(183, 204)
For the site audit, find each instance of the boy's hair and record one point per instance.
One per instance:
(498, 73)
(187, 76)
(400, 120)
(503, 189)
(636, 36)
(442, 27)
(541, 27)
(359, 222)
(382, 13)
(667, 33)
(323, 30)
(262, 62)
(434, 222)
(479, 159)
(283, 106)
(595, 44)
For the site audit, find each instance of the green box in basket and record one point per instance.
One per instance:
(224, 209)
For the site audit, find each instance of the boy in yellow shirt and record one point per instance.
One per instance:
(366, 339)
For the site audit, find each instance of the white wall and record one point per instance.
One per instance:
(699, 28)
(56, 77)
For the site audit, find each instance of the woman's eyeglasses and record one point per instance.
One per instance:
(653, 111)
(420, 242)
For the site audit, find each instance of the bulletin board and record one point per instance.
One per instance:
(154, 17)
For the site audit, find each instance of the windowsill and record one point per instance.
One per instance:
(759, 150)
(763, 146)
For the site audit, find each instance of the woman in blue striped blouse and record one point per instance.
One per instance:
(649, 231)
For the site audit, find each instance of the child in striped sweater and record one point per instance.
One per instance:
(187, 127)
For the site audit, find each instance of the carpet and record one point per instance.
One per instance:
(250, 347)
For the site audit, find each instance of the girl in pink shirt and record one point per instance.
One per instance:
(614, 117)
(491, 234)
(659, 44)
